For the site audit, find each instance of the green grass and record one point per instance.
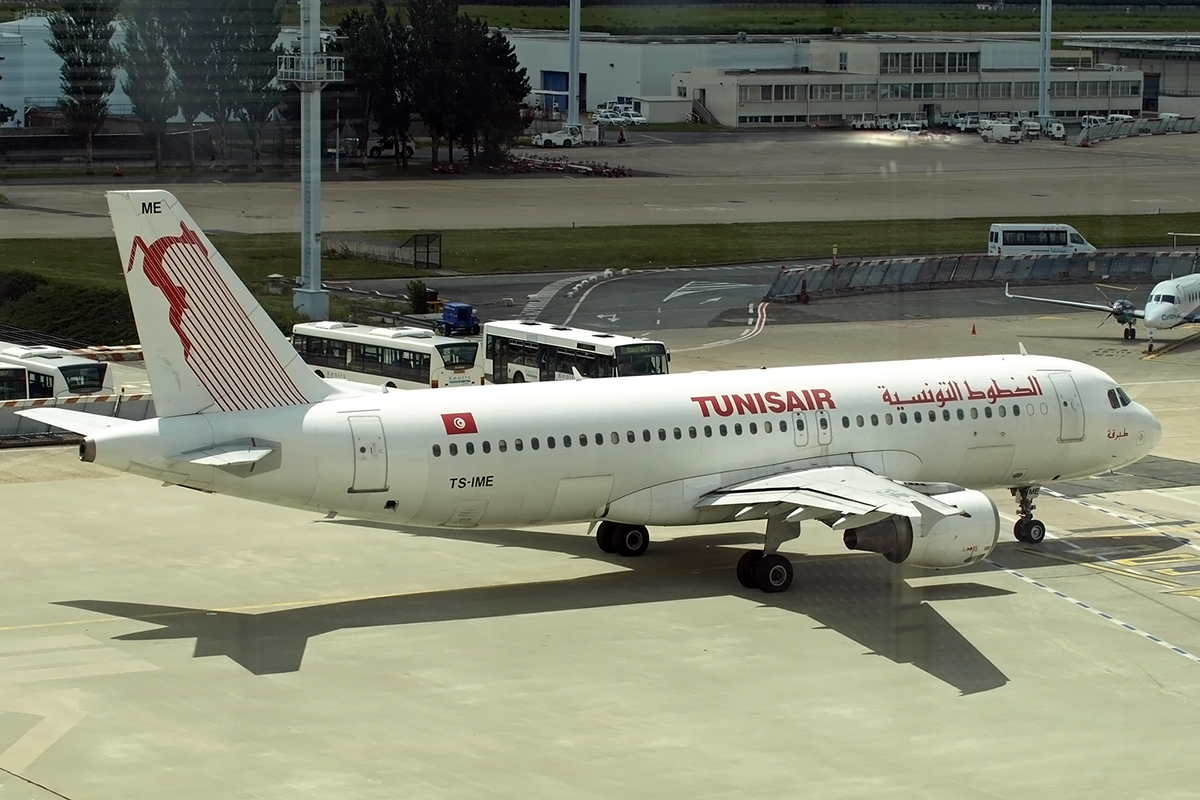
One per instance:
(651, 19)
(92, 262)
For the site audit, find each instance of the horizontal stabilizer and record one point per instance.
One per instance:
(240, 457)
(73, 421)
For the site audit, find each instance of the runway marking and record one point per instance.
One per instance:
(748, 333)
(1093, 610)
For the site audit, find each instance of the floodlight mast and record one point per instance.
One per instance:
(573, 102)
(1044, 62)
(310, 71)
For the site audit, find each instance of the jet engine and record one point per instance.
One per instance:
(949, 542)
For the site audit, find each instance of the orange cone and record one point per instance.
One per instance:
(972, 330)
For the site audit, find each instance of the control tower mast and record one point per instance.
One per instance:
(310, 71)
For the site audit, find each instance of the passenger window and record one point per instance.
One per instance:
(470, 446)
(887, 418)
(874, 420)
(1016, 410)
(692, 433)
(707, 431)
(845, 422)
(799, 423)
(752, 428)
(453, 449)
(945, 415)
(645, 434)
(960, 414)
(767, 426)
(566, 441)
(437, 451)
(678, 433)
(583, 440)
(1002, 410)
(519, 445)
(502, 446)
(616, 437)
(917, 417)
(782, 426)
(823, 422)
(859, 420)
(903, 417)
(662, 434)
(631, 436)
(974, 413)
(987, 411)
(723, 430)
(600, 438)
(487, 446)
(550, 443)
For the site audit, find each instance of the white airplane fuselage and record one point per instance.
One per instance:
(644, 450)
(1173, 302)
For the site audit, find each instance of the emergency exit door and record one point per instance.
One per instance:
(370, 455)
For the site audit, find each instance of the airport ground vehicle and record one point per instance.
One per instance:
(399, 358)
(523, 351)
(864, 122)
(569, 136)
(457, 318)
(1003, 132)
(1052, 128)
(28, 373)
(1022, 239)
(1091, 121)
(1031, 128)
(968, 124)
(387, 147)
(606, 117)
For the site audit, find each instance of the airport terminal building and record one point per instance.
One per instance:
(746, 81)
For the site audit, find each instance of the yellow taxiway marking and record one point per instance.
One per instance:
(1105, 568)
(1172, 346)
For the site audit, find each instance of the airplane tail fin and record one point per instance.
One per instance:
(208, 344)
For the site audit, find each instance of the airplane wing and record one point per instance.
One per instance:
(842, 497)
(74, 421)
(1106, 308)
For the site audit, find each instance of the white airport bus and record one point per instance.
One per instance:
(517, 351)
(398, 358)
(39, 372)
(1030, 238)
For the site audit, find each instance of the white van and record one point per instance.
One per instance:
(1091, 121)
(1120, 118)
(1052, 128)
(1004, 132)
(1034, 238)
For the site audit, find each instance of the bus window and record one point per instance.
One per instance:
(12, 383)
(460, 355)
(84, 378)
(642, 359)
(40, 385)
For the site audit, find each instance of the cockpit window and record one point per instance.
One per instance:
(1124, 397)
(1169, 298)
(1113, 400)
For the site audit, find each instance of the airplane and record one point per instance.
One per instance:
(893, 456)
(1172, 303)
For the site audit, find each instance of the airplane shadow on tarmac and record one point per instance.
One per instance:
(860, 596)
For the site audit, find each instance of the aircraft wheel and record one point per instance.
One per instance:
(1019, 530)
(745, 568)
(604, 536)
(1133, 333)
(1035, 531)
(631, 540)
(773, 574)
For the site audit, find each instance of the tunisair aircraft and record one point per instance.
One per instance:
(891, 455)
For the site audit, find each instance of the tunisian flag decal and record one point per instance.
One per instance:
(459, 423)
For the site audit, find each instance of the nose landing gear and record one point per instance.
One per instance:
(1027, 529)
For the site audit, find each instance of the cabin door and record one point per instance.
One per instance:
(370, 455)
(1069, 407)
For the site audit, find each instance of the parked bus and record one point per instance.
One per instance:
(32, 373)
(518, 351)
(1024, 239)
(398, 358)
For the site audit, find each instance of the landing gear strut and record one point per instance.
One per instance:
(767, 569)
(624, 540)
(1150, 346)
(1130, 332)
(1027, 529)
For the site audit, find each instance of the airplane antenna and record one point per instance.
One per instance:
(1021, 347)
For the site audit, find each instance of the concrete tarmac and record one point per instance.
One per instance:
(791, 176)
(157, 641)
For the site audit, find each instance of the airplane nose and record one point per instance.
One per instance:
(1151, 432)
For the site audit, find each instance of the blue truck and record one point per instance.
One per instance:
(457, 319)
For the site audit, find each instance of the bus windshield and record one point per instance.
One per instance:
(84, 378)
(460, 355)
(641, 359)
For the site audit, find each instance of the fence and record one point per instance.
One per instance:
(967, 270)
(1136, 127)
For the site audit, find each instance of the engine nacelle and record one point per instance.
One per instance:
(950, 542)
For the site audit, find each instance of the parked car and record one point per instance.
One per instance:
(908, 129)
(387, 147)
(633, 118)
(1031, 128)
(606, 117)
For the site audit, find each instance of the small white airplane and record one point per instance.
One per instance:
(1172, 303)
(890, 455)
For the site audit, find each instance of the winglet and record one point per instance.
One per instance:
(209, 345)
(1021, 347)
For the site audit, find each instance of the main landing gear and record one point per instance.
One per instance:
(1130, 332)
(764, 569)
(1027, 529)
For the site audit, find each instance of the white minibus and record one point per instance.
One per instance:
(1032, 238)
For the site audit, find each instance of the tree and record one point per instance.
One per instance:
(225, 21)
(150, 84)
(81, 35)
(256, 71)
(187, 47)
(434, 47)
(6, 113)
(377, 59)
(488, 112)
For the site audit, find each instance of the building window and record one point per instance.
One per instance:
(1062, 89)
(928, 91)
(858, 91)
(962, 62)
(889, 63)
(825, 91)
(995, 89)
(1093, 88)
(681, 91)
(895, 91)
(843, 62)
(1028, 88)
(749, 94)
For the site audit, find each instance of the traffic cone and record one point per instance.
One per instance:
(972, 329)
